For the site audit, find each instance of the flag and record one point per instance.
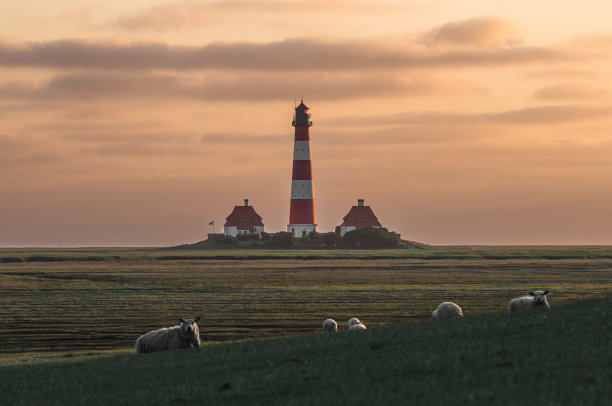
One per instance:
(212, 223)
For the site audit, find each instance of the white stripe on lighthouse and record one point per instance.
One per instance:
(301, 151)
(301, 189)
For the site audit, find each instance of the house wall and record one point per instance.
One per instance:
(231, 231)
(258, 230)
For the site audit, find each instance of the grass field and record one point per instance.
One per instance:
(560, 356)
(58, 302)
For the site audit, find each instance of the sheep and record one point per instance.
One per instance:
(535, 300)
(354, 320)
(447, 310)
(357, 327)
(185, 335)
(330, 326)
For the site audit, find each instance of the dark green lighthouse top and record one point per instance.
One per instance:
(302, 115)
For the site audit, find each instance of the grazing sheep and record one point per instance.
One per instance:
(447, 310)
(354, 320)
(357, 327)
(535, 300)
(330, 326)
(185, 335)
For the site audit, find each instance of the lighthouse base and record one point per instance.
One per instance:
(301, 230)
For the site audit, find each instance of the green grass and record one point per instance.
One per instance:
(78, 305)
(557, 357)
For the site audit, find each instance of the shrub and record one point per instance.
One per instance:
(247, 237)
(371, 238)
(332, 240)
(281, 240)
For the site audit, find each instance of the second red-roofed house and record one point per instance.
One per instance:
(359, 216)
(243, 220)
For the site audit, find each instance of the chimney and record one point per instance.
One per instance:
(359, 202)
(246, 202)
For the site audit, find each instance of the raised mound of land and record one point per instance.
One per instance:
(365, 238)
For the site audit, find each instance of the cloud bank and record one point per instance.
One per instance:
(287, 55)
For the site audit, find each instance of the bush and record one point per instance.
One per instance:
(371, 238)
(332, 240)
(313, 239)
(281, 239)
(247, 237)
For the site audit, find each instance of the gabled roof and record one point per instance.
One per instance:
(244, 218)
(359, 217)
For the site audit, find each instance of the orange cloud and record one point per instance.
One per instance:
(539, 115)
(256, 86)
(571, 91)
(287, 55)
(180, 14)
(482, 31)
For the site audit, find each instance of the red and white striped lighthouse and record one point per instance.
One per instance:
(302, 212)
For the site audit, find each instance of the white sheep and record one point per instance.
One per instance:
(357, 327)
(535, 300)
(330, 326)
(447, 310)
(354, 320)
(185, 335)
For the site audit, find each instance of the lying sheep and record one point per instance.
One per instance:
(354, 320)
(535, 300)
(357, 327)
(185, 335)
(330, 326)
(447, 310)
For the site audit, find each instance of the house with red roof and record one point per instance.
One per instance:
(243, 220)
(359, 216)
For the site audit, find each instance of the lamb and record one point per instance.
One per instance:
(447, 310)
(330, 326)
(357, 327)
(185, 335)
(535, 300)
(356, 324)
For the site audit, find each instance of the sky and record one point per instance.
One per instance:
(136, 123)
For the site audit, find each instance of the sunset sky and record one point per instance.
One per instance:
(136, 123)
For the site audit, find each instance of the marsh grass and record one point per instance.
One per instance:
(80, 305)
(557, 357)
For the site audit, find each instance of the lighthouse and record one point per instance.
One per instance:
(302, 212)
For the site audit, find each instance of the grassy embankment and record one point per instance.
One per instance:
(556, 357)
(66, 302)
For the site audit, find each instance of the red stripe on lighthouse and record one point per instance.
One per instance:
(302, 170)
(302, 211)
(302, 133)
